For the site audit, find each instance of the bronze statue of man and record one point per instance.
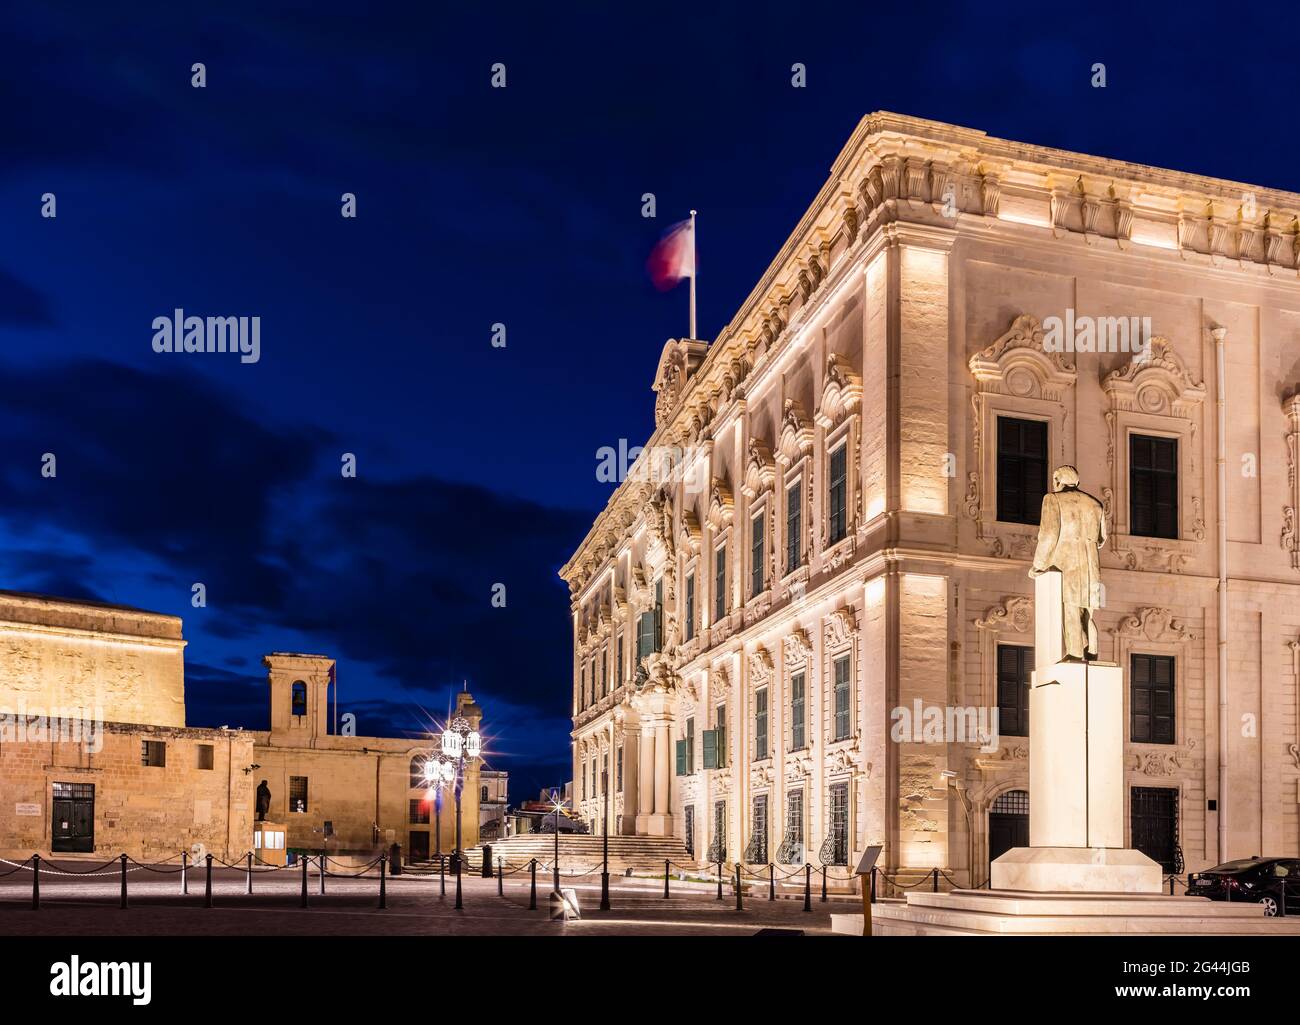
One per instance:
(1071, 531)
(263, 800)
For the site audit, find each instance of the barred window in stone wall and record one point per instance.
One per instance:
(757, 853)
(153, 753)
(298, 794)
(419, 811)
(839, 824)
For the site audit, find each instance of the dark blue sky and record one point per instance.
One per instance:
(475, 206)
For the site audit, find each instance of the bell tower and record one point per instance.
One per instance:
(300, 687)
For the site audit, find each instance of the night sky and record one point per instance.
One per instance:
(522, 206)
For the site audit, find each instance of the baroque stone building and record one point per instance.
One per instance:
(96, 758)
(792, 614)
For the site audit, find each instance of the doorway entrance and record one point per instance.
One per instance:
(419, 849)
(73, 826)
(1008, 823)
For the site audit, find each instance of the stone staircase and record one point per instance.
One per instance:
(641, 854)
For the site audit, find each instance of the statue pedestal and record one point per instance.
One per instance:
(1076, 773)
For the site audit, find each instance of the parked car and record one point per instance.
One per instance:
(1266, 881)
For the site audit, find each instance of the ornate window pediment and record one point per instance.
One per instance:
(1018, 364)
(841, 626)
(760, 471)
(798, 649)
(690, 534)
(678, 361)
(841, 392)
(796, 434)
(760, 666)
(1152, 624)
(1157, 381)
(721, 505)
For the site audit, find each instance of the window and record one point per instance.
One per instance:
(690, 606)
(690, 830)
(1154, 825)
(756, 555)
(718, 852)
(1151, 699)
(839, 480)
(793, 526)
(1153, 486)
(645, 635)
(203, 756)
(843, 715)
(582, 688)
(483, 795)
(760, 723)
(618, 763)
(154, 753)
(1022, 469)
(417, 772)
(419, 811)
(758, 844)
(1014, 666)
(794, 816)
(839, 824)
(593, 679)
(798, 716)
(690, 745)
(720, 583)
(298, 794)
(720, 724)
(299, 698)
(604, 670)
(681, 757)
(618, 670)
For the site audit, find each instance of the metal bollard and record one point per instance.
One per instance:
(719, 880)
(36, 882)
(249, 888)
(873, 884)
(666, 866)
(383, 874)
(322, 875)
(207, 884)
(739, 906)
(442, 875)
(771, 882)
(823, 900)
(807, 887)
(935, 886)
(185, 874)
(500, 877)
(459, 905)
(304, 881)
(123, 880)
(532, 891)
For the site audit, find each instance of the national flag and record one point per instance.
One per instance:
(673, 258)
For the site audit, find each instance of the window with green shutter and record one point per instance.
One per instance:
(710, 749)
(760, 723)
(690, 746)
(757, 531)
(720, 724)
(839, 482)
(681, 758)
(843, 716)
(798, 716)
(793, 526)
(690, 606)
(720, 583)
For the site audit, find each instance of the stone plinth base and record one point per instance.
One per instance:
(654, 825)
(1076, 870)
(996, 913)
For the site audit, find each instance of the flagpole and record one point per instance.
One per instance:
(693, 270)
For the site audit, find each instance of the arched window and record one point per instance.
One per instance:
(417, 771)
(483, 794)
(1008, 823)
(299, 698)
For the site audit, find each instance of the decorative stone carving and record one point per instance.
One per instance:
(841, 392)
(1290, 544)
(1154, 624)
(760, 471)
(798, 649)
(841, 626)
(760, 665)
(1294, 749)
(1015, 611)
(796, 434)
(722, 506)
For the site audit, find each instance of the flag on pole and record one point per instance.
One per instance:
(673, 258)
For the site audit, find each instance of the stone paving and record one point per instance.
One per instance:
(72, 906)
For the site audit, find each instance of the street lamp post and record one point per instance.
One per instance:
(604, 872)
(460, 741)
(555, 828)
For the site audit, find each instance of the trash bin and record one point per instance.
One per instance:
(395, 860)
(487, 861)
